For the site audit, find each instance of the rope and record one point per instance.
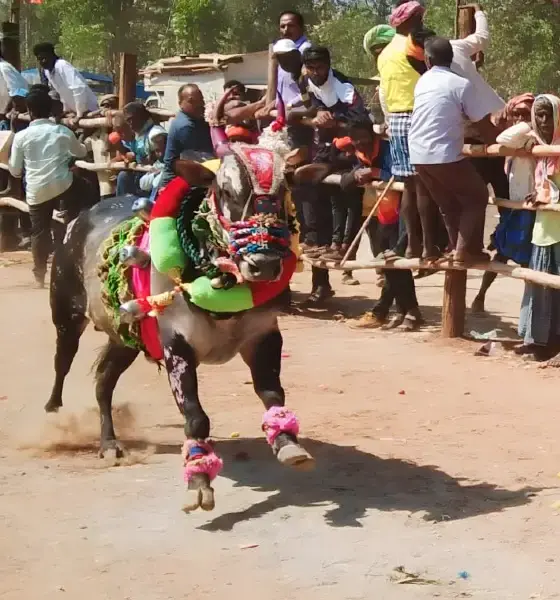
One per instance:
(192, 243)
(115, 280)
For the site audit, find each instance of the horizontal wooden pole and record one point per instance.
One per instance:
(477, 150)
(335, 178)
(106, 121)
(115, 166)
(522, 206)
(415, 264)
(22, 206)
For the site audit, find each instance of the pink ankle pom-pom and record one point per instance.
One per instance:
(208, 464)
(279, 420)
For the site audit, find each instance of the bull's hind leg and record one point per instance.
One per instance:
(201, 463)
(113, 361)
(264, 358)
(68, 304)
(67, 342)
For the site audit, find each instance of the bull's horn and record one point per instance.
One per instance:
(8, 190)
(311, 174)
(194, 173)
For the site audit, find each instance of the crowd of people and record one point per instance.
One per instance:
(434, 100)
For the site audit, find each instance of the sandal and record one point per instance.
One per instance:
(396, 321)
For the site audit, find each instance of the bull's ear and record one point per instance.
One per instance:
(311, 174)
(296, 157)
(194, 173)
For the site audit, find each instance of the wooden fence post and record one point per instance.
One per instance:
(454, 304)
(455, 286)
(11, 52)
(127, 79)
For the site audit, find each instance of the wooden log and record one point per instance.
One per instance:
(334, 179)
(454, 304)
(477, 150)
(116, 166)
(415, 264)
(10, 43)
(511, 204)
(106, 122)
(9, 202)
(127, 79)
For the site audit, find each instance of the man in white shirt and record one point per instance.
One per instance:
(442, 100)
(45, 149)
(77, 97)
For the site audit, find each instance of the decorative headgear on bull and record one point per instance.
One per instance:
(242, 236)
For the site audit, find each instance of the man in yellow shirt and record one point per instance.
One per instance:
(398, 80)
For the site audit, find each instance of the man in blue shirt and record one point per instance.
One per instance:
(189, 133)
(442, 100)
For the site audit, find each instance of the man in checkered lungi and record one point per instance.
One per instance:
(398, 80)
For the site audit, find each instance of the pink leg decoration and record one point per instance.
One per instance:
(200, 459)
(277, 420)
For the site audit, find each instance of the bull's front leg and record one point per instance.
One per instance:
(281, 427)
(201, 463)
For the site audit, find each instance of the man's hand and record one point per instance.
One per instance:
(13, 120)
(129, 157)
(363, 176)
(531, 199)
(74, 121)
(477, 7)
(324, 120)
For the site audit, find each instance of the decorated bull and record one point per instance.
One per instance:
(197, 278)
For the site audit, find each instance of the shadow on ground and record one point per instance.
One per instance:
(349, 482)
(346, 308)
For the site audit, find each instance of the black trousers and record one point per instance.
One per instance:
(346, 215)
(399, 285)
(399, 288)
(317, 214)
(43, 233)
(46, 233)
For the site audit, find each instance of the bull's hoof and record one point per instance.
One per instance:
(53, 405)
(200, 494)
(293, 455)
(112, 453)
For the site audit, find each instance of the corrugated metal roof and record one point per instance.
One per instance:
(184, 64)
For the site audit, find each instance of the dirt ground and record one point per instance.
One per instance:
(428, 458)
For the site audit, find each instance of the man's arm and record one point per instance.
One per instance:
(517, 136)
(477, 41)
(74, 146)
(76, 85)
(478, 115)
(16, 158)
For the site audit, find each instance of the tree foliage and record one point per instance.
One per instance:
(522, 56)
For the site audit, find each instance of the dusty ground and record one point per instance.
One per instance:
(428, 458)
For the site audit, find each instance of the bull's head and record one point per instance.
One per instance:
(248, 194)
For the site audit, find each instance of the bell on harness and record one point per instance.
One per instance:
(133, 256)
(142, 208)
(132, 311)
